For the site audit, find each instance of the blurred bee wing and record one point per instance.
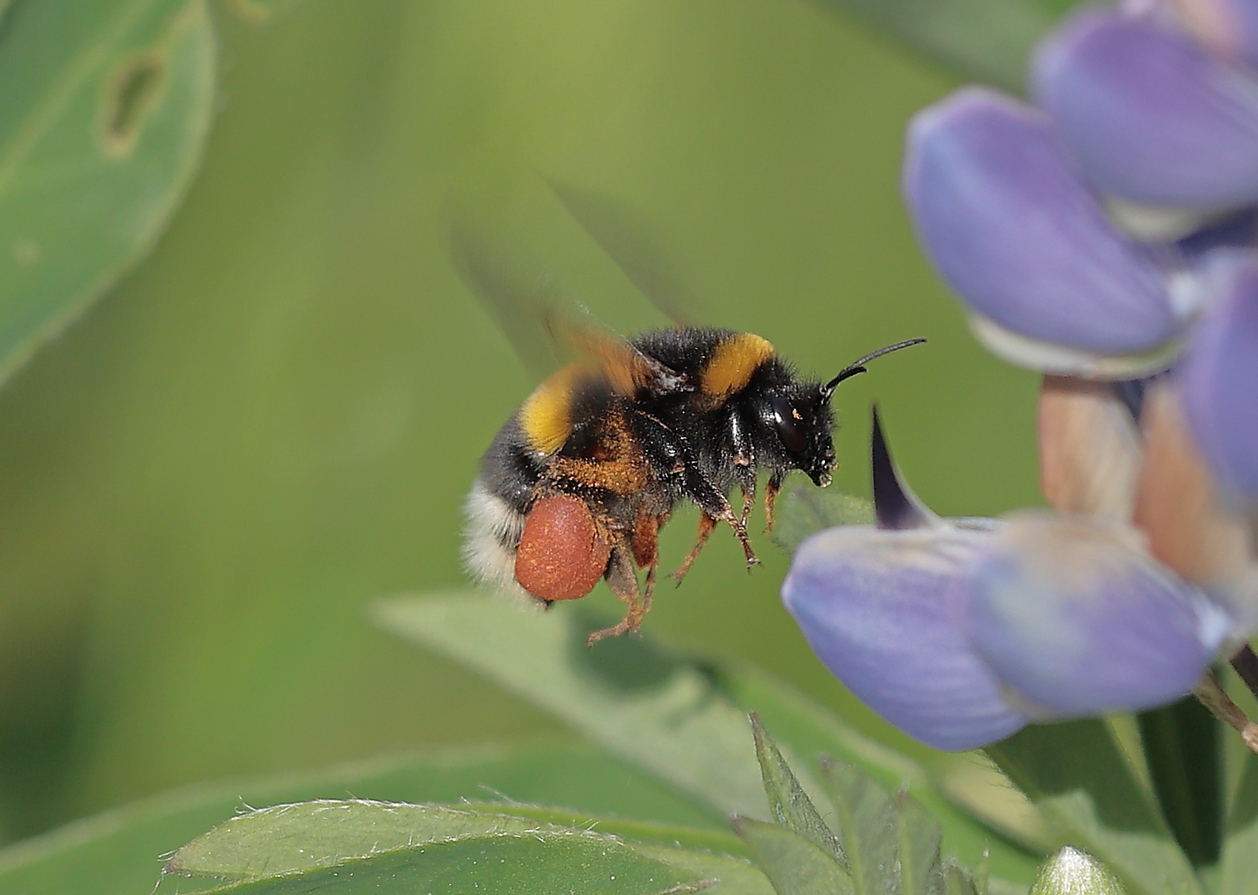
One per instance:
(545, 331)
(629, 241)
(523, 307)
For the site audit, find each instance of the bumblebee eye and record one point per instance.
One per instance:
(790, 424)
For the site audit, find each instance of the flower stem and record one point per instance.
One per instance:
(1221, 706)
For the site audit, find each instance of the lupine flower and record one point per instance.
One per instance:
(1106, 233)
(960, 633)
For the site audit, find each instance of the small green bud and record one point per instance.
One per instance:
(1075, 872)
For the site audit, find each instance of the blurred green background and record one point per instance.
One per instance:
(274, 418)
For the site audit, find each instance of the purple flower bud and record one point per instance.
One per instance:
(1077, 619)
(1002, 213)
(1219, 377)
(886, 611)
(1151, 116)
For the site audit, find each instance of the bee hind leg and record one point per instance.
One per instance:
(623, 581)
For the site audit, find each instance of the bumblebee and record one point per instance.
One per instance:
(577, 484)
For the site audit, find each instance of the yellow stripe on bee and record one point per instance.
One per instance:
(546, 416)
(733, 363)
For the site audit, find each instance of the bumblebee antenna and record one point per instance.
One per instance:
(858, 366)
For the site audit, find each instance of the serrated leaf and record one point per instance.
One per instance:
(104, 111)
(359, 846)
(801, 512)
(867, 827)
(1078, 776)
(788, 803)
(988, 39)
(891, 842)
(919, 839)
(793, 863)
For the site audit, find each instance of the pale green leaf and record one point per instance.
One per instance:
(357, 846)
(794, 864)
(116, 851)
(867, 827)
(104, 110)
(788, 802)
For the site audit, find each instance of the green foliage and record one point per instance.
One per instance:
(986, 39)
(1073, 872)
(1081, 779)
(104, 111)
(358, 846)
(117, 851)
(803, 511)
(890, 845)
(682, 720)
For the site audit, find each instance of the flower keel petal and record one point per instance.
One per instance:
(1078, 620)
(885, 611)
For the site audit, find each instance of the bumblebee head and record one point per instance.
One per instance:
(800, 422)
(799, 415)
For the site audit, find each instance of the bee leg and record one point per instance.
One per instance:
(706, 526)
(771, 490)
(623, 581)
(740, 532)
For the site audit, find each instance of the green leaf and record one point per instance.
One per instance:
(788, 802)
(655, 710)
(351, 846)
(987, 39)
(892, 843)
(802, 511)
(1182, 750)
(104, 110)
(360, 846)
(867, 827)
(792, 862)
(1081, 780)
(919, 839)
(683, 721)
(958, 881)
(813, 731)
(1240, 842)
(115, 851)
(1074, 872)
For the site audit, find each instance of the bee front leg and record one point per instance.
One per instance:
(745, 473)
(771, 490)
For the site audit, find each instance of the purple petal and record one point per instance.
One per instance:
(886, 612)
(1003, 215)
(1151, 116)
(1078, 620)
(1219, 377)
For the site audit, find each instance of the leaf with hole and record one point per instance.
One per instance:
(104, 110)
